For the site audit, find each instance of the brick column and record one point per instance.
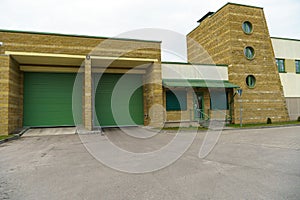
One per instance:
(88, 94)
(4, 94)
(153, 94)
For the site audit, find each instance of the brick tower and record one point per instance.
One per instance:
(238, 36)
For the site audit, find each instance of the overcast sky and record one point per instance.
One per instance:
(113, 17)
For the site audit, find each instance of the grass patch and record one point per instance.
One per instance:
(192, 128)
(2, 137)
(264, 124)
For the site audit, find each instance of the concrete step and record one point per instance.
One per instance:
(213, 124)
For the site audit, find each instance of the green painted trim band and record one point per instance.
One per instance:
(198, 83)
(187, 63)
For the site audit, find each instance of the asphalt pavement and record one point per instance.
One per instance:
(244, 164)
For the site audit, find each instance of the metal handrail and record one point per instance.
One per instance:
(206, 117)
(227, 117)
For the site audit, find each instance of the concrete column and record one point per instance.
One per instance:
(88, 94)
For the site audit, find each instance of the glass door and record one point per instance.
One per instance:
(198, 106)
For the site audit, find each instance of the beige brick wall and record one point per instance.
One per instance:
(15, 102)
(4, 94)
(61, 44)
(11, 96)
(222, 37)
(211, 35)
(153, 97)
(87, 103)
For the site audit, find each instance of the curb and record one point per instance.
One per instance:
(15, 137)
(262, 127)
(9, 139)
(238, 128)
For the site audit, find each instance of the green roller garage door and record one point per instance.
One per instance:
(48, 99)
(124, 110)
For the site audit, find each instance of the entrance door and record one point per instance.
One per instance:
(198, 106)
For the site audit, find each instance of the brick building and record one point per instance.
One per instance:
(238, 36)
(70, 80)
(41, 73)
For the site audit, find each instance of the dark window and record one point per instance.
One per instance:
(249, 52)
(251, 81)
(176, 100)
(218, 100)
(297, 62)
(247, 27)
(227, 99)
(281, 65)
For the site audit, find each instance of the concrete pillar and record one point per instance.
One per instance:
(88, 94)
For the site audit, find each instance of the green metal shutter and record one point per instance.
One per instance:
(103, 99)
(48, 99)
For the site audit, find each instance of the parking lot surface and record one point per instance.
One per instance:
(245, 164)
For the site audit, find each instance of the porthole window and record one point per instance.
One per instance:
(249, 52)
(251, 81)
(247, 27)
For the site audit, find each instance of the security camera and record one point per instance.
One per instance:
(1, 44)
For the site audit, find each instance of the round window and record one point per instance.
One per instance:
(251, 81)
(249, 52)
(247, 27)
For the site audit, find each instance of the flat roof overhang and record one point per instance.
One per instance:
(106, 64)
(198, 83)
(48, 62)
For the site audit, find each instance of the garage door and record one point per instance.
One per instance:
(48, 99)
(117, 113)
